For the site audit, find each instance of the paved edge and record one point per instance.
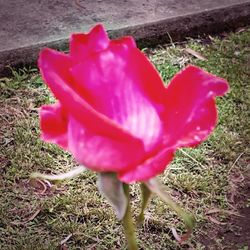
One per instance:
(146, 35)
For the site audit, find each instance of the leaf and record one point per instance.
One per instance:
(180, 238)
(195, 54)
(146, 195)
(189, 220)
(39, 185)
(223, 211)
(32, 217)
(71, 174)
(216, 221)
(112, 189)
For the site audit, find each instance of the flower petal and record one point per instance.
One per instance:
(116, 147)
(97, 152)
(100, 153)
(63, 87)
(190, 107)
(121, 83)
(53, 123)
(83, 45)
(150, 168)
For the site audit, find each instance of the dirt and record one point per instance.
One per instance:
(234, 233)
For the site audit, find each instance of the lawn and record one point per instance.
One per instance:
(211, 181)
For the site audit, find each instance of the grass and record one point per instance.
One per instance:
(201, 179)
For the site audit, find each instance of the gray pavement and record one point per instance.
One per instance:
(26, 26)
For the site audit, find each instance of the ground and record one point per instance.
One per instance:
(211, 181)
(235, 234)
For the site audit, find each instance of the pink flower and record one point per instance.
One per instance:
(113, 112)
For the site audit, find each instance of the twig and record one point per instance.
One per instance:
(192, 158)
(77, 3)
(237, 159)
(66, 239)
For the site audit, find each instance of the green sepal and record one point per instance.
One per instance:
(112, 189)
(145, 199)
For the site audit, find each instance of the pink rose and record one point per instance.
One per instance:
(113, 112)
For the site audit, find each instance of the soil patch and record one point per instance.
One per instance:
(235, 234)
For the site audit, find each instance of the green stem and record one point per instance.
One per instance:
(128, 224)
(145, 196)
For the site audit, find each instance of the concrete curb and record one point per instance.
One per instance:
(147, 34)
